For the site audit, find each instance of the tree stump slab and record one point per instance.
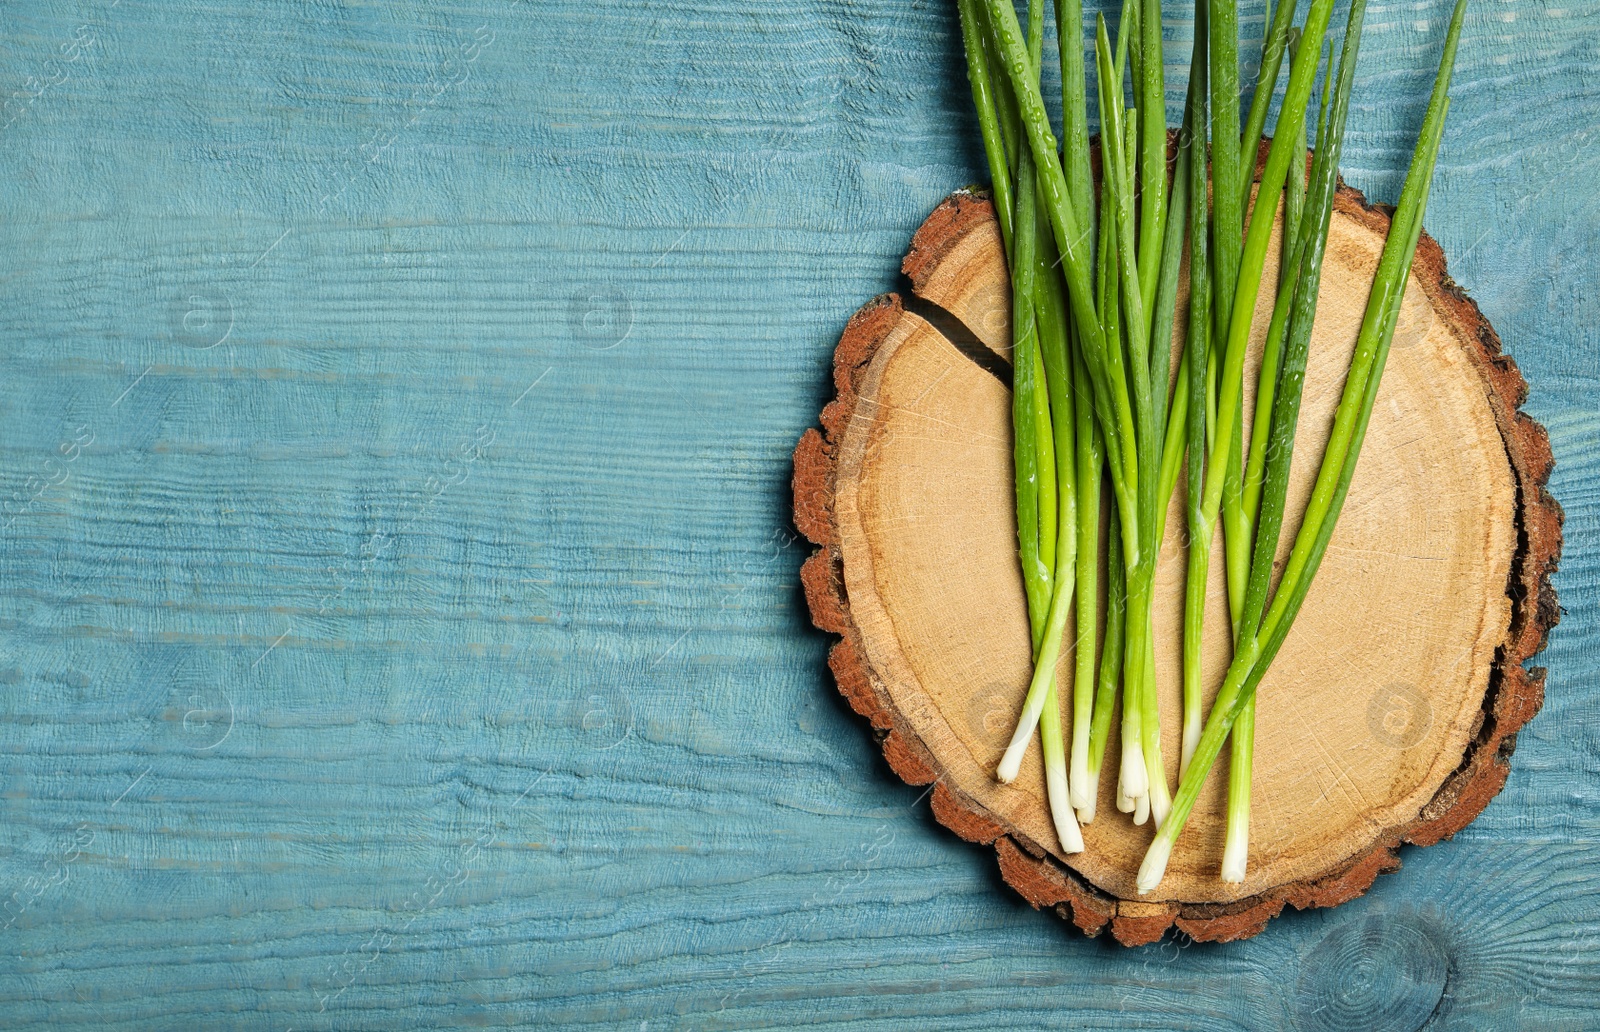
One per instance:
(1391, 712)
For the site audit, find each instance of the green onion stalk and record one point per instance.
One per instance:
(1154, 282)
(1042, 403)
(1084, 775)
(1148, 291)
(1118, 128)
(1094, 272)
(1257, 648)
(1058, 368)
(1068, 226)
(1195, 388)
(1239, 502)
(1110, 672)
(1115, 330)
(1294, 311)
(1231, 184)
(1235, 275)
(1107, 365)
(1084, 770)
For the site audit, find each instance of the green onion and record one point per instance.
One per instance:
(1293, 280)
(1094, 273)
(1110, 666)
(1055, 462)
(1084, 779)
(1302, 283)
(1234, 304)
(1201, 357)
(1254, 656)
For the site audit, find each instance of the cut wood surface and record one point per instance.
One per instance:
(1386, 718)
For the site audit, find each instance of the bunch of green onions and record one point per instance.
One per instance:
(1094, 267)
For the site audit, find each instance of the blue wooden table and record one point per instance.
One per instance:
(399, 624)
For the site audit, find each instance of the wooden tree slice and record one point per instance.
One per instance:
(1392, 710)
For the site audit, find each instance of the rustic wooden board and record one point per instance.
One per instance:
(606, 601)
(1440, 569)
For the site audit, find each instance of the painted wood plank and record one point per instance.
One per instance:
(398, 609)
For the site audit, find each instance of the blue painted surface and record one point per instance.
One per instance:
(399, 623)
